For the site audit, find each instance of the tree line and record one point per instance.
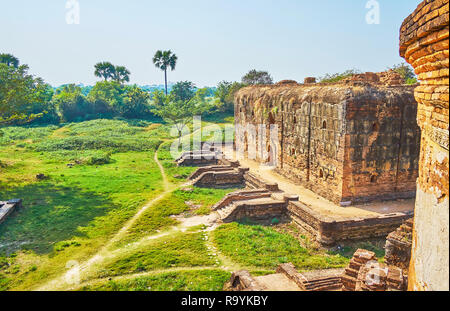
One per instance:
(25, 99)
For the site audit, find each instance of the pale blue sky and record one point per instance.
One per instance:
(214, 39)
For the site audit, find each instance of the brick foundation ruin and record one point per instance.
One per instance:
(424, 44)
(328, 231)
(286, 278)
(398, 246)
(8, 207)
(263, 201)
(354, 141)
(365, 273)
(198, 158)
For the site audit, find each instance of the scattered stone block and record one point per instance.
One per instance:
(41, 177)
(242, 281)
(8, 207)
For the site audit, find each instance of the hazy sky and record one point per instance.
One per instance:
(214, 39)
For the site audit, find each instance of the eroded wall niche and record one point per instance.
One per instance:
(424, 44)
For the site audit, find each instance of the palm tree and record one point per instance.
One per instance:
(121, 74)
(9, 60)
(104, 70)
(164, 60)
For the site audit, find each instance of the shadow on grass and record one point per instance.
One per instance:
(50, 214)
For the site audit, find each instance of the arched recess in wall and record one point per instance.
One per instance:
(324, 124)
(269, 152)
(245, 142)
(375, 127)
(271, 118)
(321, 173)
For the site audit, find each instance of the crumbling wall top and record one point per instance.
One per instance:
(367, 85)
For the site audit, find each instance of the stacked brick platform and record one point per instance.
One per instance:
(329, 281)
(375, 277)
(398, 246)
(350, 276)
(365, 273)
(424, 44)
(8, 207)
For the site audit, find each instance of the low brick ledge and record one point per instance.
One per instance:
(329, 231)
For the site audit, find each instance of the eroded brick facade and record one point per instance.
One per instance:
(424, 44)
(348, 142)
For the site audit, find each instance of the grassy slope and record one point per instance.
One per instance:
(263, 247)
(157, 217)
(76, 209)
(201, 280)
(178, 250)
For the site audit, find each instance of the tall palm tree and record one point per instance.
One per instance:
(121, 74)
(164, 60)
(104, 70)
(9, 60)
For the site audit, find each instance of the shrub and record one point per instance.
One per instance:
(99, 159)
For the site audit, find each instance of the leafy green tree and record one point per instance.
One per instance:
(136, 103)
(9, 60)
(178, 112)
(184, 91)
(71, 103)
(224, 94)
(121, 74)
(104, 70)
(43, 104)
(17, 94)
(406, 71)
(165, 60)
(106, 98)
(257, 77)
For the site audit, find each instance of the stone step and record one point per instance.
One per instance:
(213, 168)
(226, 211)
(354, 265)
(351, 272)
(241, 195)
(314, 284)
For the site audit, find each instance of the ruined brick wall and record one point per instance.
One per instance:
(424, 44)
(306, 152)
(382, 145)
(328, 231)
(347, 142)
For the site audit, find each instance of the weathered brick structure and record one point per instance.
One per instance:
(286, 278)
(8, 207)
(354, 141)
(365, 273)
(398, 246)
(424, 44)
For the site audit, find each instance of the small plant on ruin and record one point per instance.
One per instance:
(406, 71)
(257, 77)
(336, 77)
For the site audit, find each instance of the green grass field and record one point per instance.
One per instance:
(105, 197)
